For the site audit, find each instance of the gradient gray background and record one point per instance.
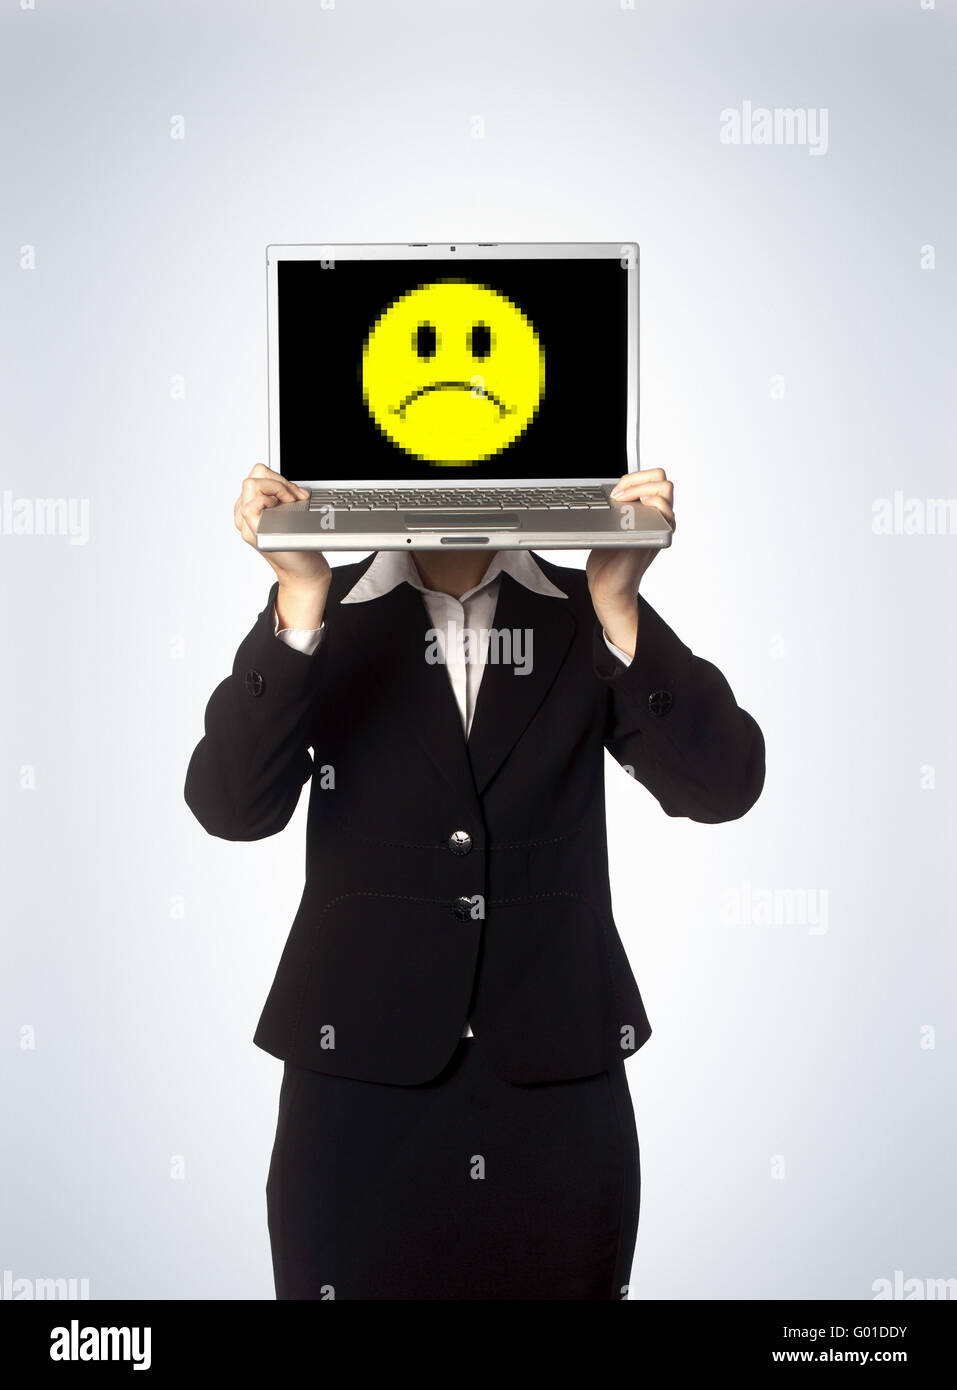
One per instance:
(139, 949)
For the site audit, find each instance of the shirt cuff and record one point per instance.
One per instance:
(622, 656)
(302, 639)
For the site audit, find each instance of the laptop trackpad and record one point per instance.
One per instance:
(461, 521)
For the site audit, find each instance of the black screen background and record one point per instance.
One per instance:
(579, 308)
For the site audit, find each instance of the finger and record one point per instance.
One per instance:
(251, 506)
(271, 487)
(661, 505)
(250, 512)
(253, 510)
(273, 500)
(665, 489)
(656, 500)
(261, 471)
(238, 519)
(643, 475)
(663, 492)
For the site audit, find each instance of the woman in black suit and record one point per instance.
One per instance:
(453, 1005)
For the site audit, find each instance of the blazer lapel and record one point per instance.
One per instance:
(419, 695)
(540, 630)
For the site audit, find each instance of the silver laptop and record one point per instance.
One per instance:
(445, 394)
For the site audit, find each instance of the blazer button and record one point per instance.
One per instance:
(660, 701)
(253, 682)
(462, 908)
(460, 842)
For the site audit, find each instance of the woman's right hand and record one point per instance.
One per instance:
(303, 574)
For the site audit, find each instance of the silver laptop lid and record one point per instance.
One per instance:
(448, 364)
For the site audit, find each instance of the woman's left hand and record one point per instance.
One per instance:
(614, 575)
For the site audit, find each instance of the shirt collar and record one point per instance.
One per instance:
(392, 567)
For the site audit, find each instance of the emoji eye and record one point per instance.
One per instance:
(424, 340)
(479, 340)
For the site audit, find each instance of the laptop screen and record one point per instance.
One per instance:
(445, 371)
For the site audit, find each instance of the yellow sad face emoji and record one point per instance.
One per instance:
(452, 372)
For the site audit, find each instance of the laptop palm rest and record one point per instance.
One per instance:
(461, 521)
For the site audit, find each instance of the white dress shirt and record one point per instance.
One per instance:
(451, 617)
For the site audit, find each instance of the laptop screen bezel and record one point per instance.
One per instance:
(625, 252)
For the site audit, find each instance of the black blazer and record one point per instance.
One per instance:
(407, 927)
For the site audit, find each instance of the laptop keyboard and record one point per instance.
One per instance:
(459, 499)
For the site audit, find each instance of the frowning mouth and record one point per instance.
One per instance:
(483, 394)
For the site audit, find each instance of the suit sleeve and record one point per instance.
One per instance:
(673, 722)
(247, 771)
(623, 657)
(304, 639)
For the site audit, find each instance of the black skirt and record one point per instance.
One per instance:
(468, 1187)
